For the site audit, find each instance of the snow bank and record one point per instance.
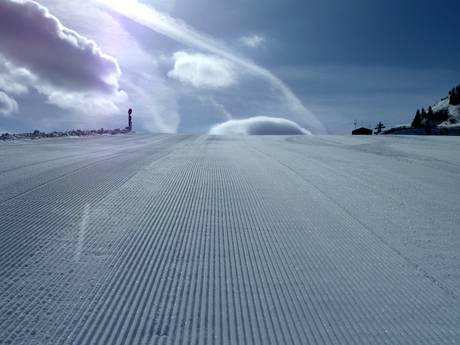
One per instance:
(259, 125)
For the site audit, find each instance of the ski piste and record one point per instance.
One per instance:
(183, 239)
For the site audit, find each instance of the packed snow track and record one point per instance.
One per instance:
(169, 239)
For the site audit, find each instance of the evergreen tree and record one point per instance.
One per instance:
(457, 95)
(423, 116)
(454, 96)
(430, 113)
(417, 122)
(430, 117)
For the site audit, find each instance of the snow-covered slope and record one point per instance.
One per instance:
(453, 112)
(230, 240)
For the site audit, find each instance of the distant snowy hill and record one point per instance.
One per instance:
(445, 113)
(441, 118)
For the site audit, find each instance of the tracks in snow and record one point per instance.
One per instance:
(198, 240)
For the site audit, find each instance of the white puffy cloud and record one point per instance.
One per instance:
(259, 125)
(7, 104)
(253, 41)
(203, 71)
(15, 80)
(86, 102)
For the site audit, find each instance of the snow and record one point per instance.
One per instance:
(453, 110)
(180, 239)
(259, 125)
(443, 104)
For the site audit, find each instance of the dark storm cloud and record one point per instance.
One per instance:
(31, 37)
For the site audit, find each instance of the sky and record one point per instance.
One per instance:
(197, 66)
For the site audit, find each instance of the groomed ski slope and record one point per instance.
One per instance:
(230, 240)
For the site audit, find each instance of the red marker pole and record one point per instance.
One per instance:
(130, 120)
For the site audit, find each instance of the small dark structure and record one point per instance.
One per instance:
(379, 128)
(362, 131)
(130, 120)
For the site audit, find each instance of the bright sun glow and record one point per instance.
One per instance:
(120, 5)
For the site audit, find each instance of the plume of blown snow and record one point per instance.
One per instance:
(259, 125)
(179, 31)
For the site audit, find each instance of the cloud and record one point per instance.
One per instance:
(152, 96)
(40, 53)
(7, 104)
(203, 71)
(86, 101)
(252, 41)
(15, 80)
(260, 125)
(33, 38)
(179, 31)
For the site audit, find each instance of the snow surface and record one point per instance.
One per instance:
(259, 125)
(453, 111)
(230, 240)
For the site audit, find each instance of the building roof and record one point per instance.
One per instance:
(362, 131)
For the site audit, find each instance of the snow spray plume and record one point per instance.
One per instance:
(179, 31)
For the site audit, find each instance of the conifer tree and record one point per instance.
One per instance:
(430, 112)
(417, 122)
(457, 96)
(430, 116)
(454, 96)
(423, 117)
